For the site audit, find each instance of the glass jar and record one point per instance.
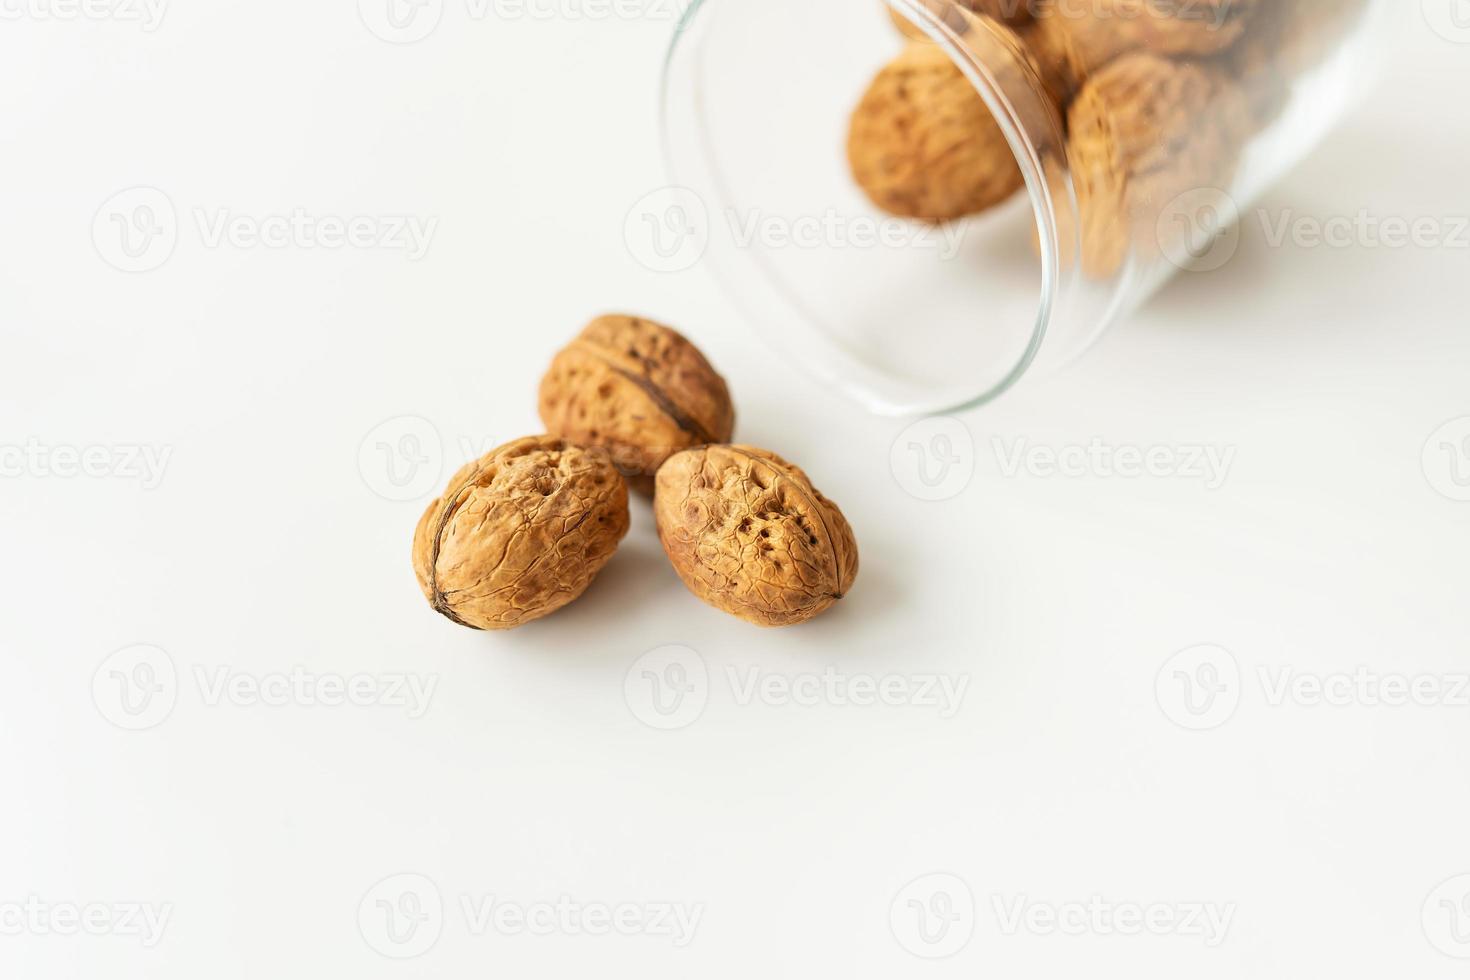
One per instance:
(879, 240)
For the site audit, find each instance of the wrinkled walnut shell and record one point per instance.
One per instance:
(922, 143)
(1143, 131)
(519, 533)
(1095, 33)
(750, 535)
(636, 389)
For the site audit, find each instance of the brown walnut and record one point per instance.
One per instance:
(636, 389)
(519, 533)
(1089, 35)
(922, 143)
(750, 535)
(1142, 132)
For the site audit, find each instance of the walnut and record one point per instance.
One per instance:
(519, 533)
(749, 534)
(1143, 131)
(636, 389)
(1089, 36)
(922, 143)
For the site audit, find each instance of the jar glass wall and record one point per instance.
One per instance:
(925, 201)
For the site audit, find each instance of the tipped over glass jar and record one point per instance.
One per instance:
(924, 201)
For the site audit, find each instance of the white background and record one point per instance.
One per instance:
(1331, 833)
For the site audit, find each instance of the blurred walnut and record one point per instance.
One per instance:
(922, 143)
(519, 533)
(749, 534)
(1142, 132)
(637, 389)
(1085, 37)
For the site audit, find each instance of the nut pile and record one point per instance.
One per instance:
(1156, 98)
(523, 530)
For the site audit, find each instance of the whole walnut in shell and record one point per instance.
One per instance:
(519, 533)
(1089, 36)
(636, 389)
(1142, 132)
(749, 534)
(922, 143)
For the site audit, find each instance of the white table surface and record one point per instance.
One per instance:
(1064, 782)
